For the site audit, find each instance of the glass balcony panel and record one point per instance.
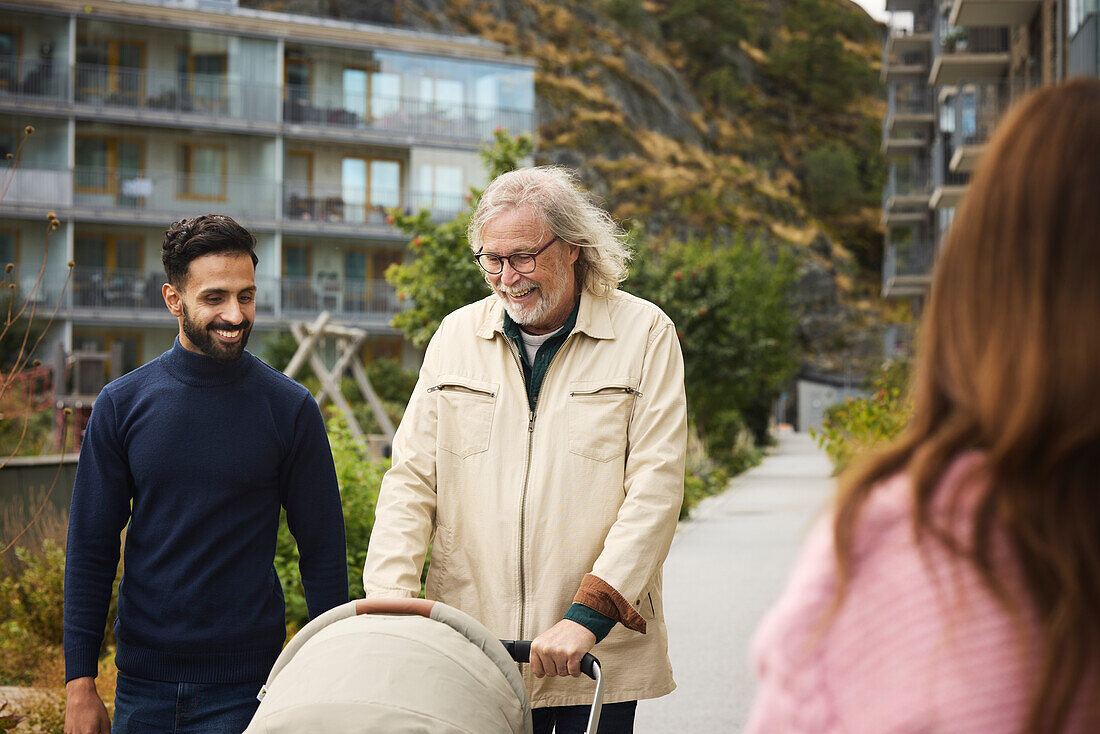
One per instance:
(208, 92)
(174, 193)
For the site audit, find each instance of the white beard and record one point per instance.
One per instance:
(548, 297)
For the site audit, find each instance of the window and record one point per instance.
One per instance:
(444, 186)
(369, 186)
(203, 168)
(102, 162)
(385, 94)
(297, 75)
(109, 272)
(445, 95)
(299, 173)
(296, 262)
(8, 251)
(202, 79)
(111, 252)
(110, 68)
(354, 88)
(9, 58)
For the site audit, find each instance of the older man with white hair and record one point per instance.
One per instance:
(543, 450)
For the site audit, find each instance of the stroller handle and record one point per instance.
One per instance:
(520, 650)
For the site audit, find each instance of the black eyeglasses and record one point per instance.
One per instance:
(521, 262)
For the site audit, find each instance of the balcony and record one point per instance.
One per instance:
(170, 97)
(32, 83)
(950, 186)
(994, 12)
(320, 112)
(38, 190)
(909, 108)
(334, 204)
(912, 143)
(168, 195)
(974, 110)
(907, 268)
(906, 195)
(904, 66)
(971, 53)
(105, 294)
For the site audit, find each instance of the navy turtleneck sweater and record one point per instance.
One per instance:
(198, 457)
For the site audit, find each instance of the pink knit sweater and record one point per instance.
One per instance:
(919, 644)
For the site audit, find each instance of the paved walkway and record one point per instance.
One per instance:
(727, 565)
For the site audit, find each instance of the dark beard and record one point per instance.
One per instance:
(203, 338)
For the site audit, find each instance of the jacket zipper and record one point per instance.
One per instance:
(526, 478)
(462, 388)
(607, 388)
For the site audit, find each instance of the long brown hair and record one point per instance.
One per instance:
(1009, 363)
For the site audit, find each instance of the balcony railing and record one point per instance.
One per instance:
(910, 99)
(96, 291)
(33, 80)
(907, 261)
(347, 204)
(336, 107)
(175, 94)
(908, 185)
(173, 193)
(963, 40)
(39, 188)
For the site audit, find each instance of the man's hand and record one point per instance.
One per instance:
(558, 650)
(84, 710)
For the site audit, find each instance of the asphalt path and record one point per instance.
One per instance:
(728, 563)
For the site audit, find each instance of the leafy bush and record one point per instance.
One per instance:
(832, 178)
(30, 607)
(699, 486)
(359, 480)
(736, 326)
(857, 425)
(444, 276)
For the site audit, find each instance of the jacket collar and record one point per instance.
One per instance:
(593, 319)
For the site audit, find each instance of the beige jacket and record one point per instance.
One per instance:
(531, 512)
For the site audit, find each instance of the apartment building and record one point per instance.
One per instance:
(306, 130)
(952, 68)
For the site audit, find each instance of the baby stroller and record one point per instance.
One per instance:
(400, 666)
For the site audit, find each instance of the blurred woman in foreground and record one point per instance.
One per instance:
(956, 588)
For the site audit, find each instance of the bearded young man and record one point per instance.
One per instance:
(543, 450)
(197, 450)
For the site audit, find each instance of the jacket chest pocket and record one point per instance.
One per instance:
(598, 417)
(465, 410)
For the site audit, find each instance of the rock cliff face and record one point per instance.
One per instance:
(706, 119)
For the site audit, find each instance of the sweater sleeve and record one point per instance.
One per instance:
(314, 515)
(100, 510)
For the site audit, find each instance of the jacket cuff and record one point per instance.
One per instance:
(599, 596)
(596, 623)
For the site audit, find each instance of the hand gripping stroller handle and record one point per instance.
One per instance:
(520, 650)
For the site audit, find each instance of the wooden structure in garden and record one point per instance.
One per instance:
(349, 341)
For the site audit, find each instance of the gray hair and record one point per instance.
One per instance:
(569, 213)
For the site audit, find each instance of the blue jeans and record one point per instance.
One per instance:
(615, 718)
(155, 707)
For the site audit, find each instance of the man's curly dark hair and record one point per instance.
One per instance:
(188, 239)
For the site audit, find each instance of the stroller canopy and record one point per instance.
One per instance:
(394, 666)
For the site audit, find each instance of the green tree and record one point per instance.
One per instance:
(443, 276)
(813, 63)
(832, 178)
(736, 326)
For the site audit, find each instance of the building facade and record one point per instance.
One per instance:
(952, 68)
(305, 130)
